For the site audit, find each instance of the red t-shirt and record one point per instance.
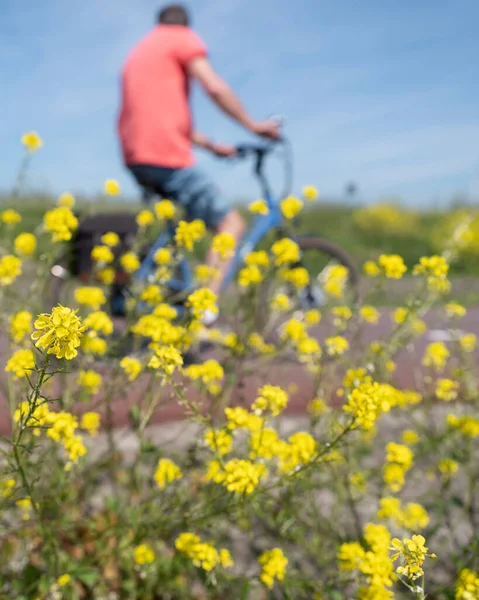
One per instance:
(155, 121)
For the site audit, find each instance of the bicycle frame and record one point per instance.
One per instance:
(261, 226)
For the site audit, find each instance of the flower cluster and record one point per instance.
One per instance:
(202, 554)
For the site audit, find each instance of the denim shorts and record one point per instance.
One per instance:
(189, 187)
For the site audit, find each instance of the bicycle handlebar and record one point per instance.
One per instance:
(259, 152)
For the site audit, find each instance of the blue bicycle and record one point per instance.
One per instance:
(318, 255)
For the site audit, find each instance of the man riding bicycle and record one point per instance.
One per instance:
(155, 123)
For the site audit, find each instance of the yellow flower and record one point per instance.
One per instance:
(342, 314)
(110, 239)
(25, 244)
(240, 418)
(219, 441)
(240, 476)
(300, 450)
(369, 314)
(165, 311)
(350, 556)
(202, 554)
(309, 347)
(201, 300)
(130, 262)
(317, 407)
(436, 356)
(291, 206)
(166, 359)
(469, 426)
(64, 580)
(10, 217)
(111, 187)
(299, 277)
(90, 296)
(90, 422)
(61, 223)
(413, 552)
(446, 389)
(25, 506)
(258, 258)
(143, 555)
(66, 199)
(205, 274)
(281, 303)
(392, 265)
(32, 141)
(371, 269)
(131, 366)
(435, 269)
(59, 332)
(21, 363)
(151, 295)
(144, 218)
(166, 472)
(263, 444)
(337, 345)
(165, 210)
(448, 467)
(366, 402)
(312, 317)
(259, 207)
(399, 460)
(100, 322)
(90, 381)
(10, 269)
(467, 586)
(272, 398)
(273, 566)
(188, 233)
(102, 254)
(453, 309)
(355, 377)
(468, 342)
(224, 244)
(286, 251)
(7, 487)
(335, 279)
(410, 437)
(400, 315)
(249, 276)
(310, 193)
(294, 330)
(20, 325)
(163, 257)
(106, 275)
(208, 372)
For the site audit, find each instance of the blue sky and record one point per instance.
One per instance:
(381, 92)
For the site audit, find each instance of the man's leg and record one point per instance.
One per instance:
(202, 199)
(234, 224)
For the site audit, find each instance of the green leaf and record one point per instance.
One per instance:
(86, 575)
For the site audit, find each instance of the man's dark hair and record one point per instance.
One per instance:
(174, 14)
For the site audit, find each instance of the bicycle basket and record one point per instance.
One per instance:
(89, 233)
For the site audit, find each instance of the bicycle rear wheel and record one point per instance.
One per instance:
(328, 285)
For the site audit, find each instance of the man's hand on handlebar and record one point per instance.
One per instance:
(223, 150)
(269, 129)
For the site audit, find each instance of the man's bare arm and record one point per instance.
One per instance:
(222, 94)
(202, 141)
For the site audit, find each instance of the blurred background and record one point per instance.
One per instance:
(381, 98)
(381, 101)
